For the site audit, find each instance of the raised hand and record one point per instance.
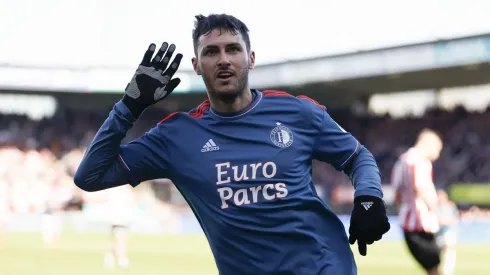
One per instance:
(152, 80)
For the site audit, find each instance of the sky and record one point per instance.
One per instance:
(115, 33)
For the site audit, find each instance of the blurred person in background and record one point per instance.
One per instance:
(4, 204)
(448, 218)
(51, 198)
(58, 196)
(10, 157)
(416, 196)
(120, 206)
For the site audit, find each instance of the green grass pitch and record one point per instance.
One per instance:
(82, 254)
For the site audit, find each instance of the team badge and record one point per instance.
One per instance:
(281, 136)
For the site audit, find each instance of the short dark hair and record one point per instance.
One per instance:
(206, 24)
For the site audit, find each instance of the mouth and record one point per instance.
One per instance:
(225, 75)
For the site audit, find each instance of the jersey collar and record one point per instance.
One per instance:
(256, 100)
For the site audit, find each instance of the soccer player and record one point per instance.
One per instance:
(412, 178)
(120, 205)
(448, 218)
(4, 207)
(242, 160)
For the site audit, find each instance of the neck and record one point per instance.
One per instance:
(235, 104)
(421, 149)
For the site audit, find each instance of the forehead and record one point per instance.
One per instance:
(220, 37)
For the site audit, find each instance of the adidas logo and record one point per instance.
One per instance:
(210, 146)
(367, 204)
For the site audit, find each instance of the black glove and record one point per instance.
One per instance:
(152, 81)
(368, 222)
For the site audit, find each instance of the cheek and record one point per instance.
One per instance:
(241, 60)
(206, 65)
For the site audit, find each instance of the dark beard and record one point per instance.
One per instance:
(230, 97)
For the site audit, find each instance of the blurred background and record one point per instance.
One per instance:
(384, 69)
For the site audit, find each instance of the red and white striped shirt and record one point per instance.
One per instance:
(412, 178)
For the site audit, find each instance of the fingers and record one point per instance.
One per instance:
(148, 54)
(174, 66)
(387, 226)
(161, 59)
(361, 245)
(165, 90)
(156, 62)
(352, 239)
(368, 238)
(172, 85)
(166, 59)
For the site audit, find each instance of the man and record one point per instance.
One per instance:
(120, 206)
(447, 235)
(4, 205)
(242, 160)
(412, 178)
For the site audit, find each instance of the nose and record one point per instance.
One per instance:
(223, 60)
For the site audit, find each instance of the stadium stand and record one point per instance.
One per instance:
(43, 155)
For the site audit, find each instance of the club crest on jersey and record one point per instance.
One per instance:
(281, 136)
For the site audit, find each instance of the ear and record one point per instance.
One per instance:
(196, 66)
(251, 60)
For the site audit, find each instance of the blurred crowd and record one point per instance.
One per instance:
(38, 158)
(465, 157)
(475, 213)
(36, 181)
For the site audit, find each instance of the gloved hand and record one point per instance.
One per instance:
(152, 81)
(368, 222)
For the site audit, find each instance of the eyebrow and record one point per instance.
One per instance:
(212, 46)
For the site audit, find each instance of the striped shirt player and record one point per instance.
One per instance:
(413, 180)
(417, 201)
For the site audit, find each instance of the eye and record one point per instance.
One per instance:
(233, 49)
(210, 51)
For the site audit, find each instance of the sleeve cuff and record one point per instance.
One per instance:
(373, 193)
(124, 112)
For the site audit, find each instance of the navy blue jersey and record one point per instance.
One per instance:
(247, 178)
